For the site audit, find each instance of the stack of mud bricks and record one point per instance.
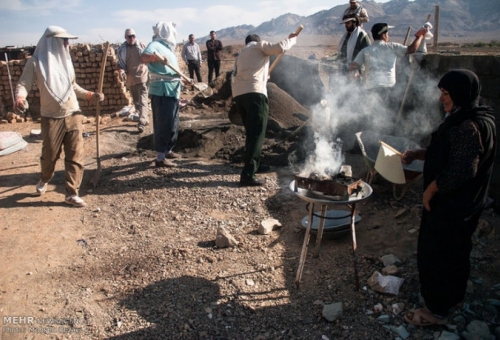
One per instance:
(87, 63)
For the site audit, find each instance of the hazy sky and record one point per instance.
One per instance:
(22, 22)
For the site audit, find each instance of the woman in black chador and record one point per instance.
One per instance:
(457, 172)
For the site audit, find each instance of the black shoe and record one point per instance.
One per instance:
(263, 168)
(251, 183)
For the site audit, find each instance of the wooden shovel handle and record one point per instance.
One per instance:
(175, 69)
(98, 105)
(273, 65)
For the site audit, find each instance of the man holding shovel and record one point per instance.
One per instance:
(52, 70)
(249, 89)
(165, 90)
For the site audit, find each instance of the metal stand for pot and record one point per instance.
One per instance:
(325, 201)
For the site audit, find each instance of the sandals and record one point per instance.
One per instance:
(422, 317)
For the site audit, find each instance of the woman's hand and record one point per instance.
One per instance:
(408, 156)
(429, 193)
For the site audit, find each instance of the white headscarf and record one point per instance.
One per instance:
(54, 62)
(351, 43)
(165, 31)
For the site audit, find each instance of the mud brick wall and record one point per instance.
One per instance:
(87, 63)
(487, 68)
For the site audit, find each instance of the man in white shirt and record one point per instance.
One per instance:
(192, 56)
(380, 57)
(249, 90)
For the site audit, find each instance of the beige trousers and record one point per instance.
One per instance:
(58, 133)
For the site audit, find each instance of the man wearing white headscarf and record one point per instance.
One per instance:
(165, 90)
(52, 71)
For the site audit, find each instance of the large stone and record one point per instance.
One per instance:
(224, 239)
(333, 311)
(477, 330)
(268, 225)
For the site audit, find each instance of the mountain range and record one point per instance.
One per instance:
(458, 20)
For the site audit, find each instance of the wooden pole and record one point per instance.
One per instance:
(436, 28)
(10, 82)
(97, 175)
(303, 252)
(273, 65)
(398, 118)
(407, 35)
(354, 246)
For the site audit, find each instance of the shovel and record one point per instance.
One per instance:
(205, 90)
(98, 171)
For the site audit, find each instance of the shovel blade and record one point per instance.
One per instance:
(205, 90)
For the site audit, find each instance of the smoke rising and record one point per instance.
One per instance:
(347, 108)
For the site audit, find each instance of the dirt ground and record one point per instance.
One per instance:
(140, 261)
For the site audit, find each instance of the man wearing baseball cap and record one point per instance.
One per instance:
(52, 70)
(356, 9)
(135, 75)
(380, 58)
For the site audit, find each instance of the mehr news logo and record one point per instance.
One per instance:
(30, 324)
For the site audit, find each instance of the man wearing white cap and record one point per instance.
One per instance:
(52, 70)
(135, 74)
(358, 10)
(380, 57)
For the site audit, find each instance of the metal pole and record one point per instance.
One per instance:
(10, 82)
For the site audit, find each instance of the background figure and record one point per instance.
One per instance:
(422, 49)
(249, 90)
(214, 46)
(135, 74)
(52, 70)
(353, 41)
(457, 172)
(165, 90)
(356, 9)
(192, 56)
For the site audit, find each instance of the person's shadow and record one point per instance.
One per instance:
(187, 308)
(190, 307)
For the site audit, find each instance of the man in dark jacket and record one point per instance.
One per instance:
(214, 47)
(353, 41)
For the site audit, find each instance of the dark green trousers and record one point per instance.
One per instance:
(254, 110)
